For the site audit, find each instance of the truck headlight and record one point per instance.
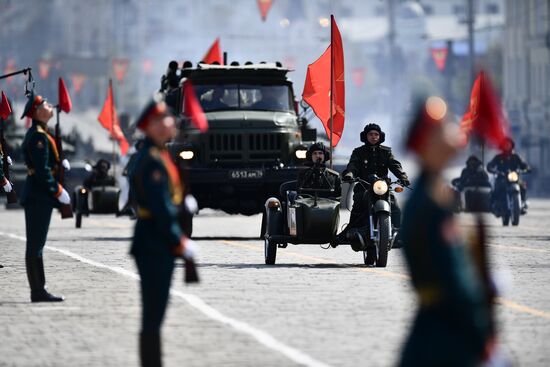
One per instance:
(300, 153)
(380, 187)
(186, 154)
(513, 176)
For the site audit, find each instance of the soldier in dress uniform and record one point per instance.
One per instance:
(452, 326)
(156, 186)
(41, 193)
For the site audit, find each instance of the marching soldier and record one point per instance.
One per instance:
(156, 186)
(41, 192)
(452, 326)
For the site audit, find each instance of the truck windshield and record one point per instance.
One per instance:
(217, 97)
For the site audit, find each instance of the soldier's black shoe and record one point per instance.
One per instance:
(1, 266)
(44, 296)
(149, 349)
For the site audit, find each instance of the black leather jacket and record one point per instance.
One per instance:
(374, 159)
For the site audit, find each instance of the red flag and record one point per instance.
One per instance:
(120, 66)
(64, 100)
(214, 53)
(264, 6)
(320, 90)
(10, 68)
(192, 108)
(78, 81)
(5, 108)
(109, 119)
(44, 68)
(358, 76)
(147, 66)
(439, 55)
(484, 115)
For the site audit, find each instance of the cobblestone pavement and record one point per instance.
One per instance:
(315, 307)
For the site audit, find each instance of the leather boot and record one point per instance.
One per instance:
(37, 281)
(149, 349)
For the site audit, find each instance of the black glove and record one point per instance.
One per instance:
(348, 177)
(405, 182)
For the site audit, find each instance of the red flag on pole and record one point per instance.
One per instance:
(439, 55)
(484, 115)
(264, 6)
(78, 81)
(44, 68)
(64, 100)
(214, 53)
(109, 120)
(192, 108)
(324, 88)
(5, 108)
(120, 66)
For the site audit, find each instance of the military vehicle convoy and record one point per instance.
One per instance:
(256, 139)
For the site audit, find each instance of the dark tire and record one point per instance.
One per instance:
(384, 230)
(78, 220)
(270, 252)
(369, 256)
(516, 210)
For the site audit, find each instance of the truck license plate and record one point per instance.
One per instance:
(246, 174)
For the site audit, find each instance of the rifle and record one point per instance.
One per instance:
(12, 195)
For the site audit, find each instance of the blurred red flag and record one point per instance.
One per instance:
(439, 55)
(192, 108)
(44, 68)
(109, 119)
(64, 100)
(120, 66)
(264, 6)
(317, 88)
(5, 108)
(78, 81)
(214, 53)
(484, 116)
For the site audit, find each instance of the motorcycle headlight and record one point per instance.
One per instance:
(513, 176)
(300, 153)
(186, 154)
(380, 187)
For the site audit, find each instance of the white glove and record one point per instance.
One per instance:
(10, 162)
(64, 198)
(65, 163)
(191, 204)
(191, 249)
(7, 186)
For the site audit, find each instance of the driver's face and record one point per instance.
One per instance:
(318, 156)
(373, 137)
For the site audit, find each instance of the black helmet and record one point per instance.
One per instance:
(473, 159)
(371, 127)
(314, 147)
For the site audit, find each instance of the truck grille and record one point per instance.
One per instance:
(245, 147)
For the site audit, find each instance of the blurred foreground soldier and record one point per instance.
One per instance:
(473, 175)
(158, 238)
(507, 160)
(452, 326)
(318, 176)
(373, 159)
(41, 192)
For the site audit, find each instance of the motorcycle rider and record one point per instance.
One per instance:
(100, 175)
(368, 159)
(472, 175)
(507, 160)
(318, 175)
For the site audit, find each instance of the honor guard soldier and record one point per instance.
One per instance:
(41, 192)
(158, 239)
(452, 326)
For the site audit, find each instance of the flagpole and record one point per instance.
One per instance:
(331, 86)
(113, 125)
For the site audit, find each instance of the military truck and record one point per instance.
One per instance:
(255, 141)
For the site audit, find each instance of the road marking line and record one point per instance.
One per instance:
(196, 302)
(502, 301)
(506, 247)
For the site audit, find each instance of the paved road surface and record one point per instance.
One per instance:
(316, 307)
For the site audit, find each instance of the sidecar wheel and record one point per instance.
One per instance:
(270, 252)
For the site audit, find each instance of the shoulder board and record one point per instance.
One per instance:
(154, 152)
(331, 171)
(40, 130)
(384, 147)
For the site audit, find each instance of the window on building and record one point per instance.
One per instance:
(380, 11)
(459, 9)
(492, 8)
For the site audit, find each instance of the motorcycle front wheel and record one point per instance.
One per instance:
(516, 209)
(384, 230)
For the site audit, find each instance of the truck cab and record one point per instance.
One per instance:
(255, 141)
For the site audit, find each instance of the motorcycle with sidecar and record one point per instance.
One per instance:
(308, 216)
(98, 194)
